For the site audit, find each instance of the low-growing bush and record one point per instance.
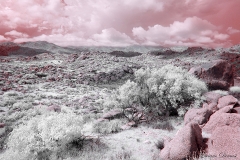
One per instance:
(221, 92)
(162, 91)
(45, 136)
(107, 127)
(234, 89)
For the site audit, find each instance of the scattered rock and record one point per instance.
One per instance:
(187, 142)
(124, 54)
(129, 125)
(54, 108)
(2, 125)
(102, 120)
(41, 74)
(113, 114)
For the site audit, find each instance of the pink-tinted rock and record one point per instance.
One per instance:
(212, 106)
(2, 125)
(197, 115)
(212, 97)
(54, 108)
(224, 143)
(217, 74)
(226, 100)
(129, 125)
(101, 120)
(188, 141)
(223, 117)
(236, 110)
(113, 114)
(218, 84)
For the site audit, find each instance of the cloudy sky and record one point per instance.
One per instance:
(122, 22)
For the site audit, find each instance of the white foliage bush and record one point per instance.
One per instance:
(234, 89)
(162, 89)
(45, 133)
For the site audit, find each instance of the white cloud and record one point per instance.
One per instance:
(2, 38)
(108, 37)
(145, 4)
(231, 30)
(221, 37)
(112, 37)
(191, 31)
(16, 34)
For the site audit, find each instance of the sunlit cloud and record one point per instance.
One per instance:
(91, 22)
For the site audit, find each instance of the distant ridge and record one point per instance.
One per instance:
(49, 47)
(38, 47)
(32, 48)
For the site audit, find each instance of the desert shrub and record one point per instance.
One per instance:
(107, 127)
(21, 105)
(164, 125)
(46, 135)
(234, 89)
(164, 90)
(221, 92)
(12, 93)
(122, 155)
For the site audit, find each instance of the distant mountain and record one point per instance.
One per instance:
(32, 48)
(49, 47)
(8, 47)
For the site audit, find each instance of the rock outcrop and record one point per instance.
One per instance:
(224, 143)
(219, 117)
(226, 100)
(197, 115)
(217, 74)
(223, 117)
(187, 142)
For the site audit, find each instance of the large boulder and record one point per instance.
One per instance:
(226, 100)
(223, 117)
(197, 115)
(224, 143)
(217, 74)
(212, 97)
(187, 142)
(236, 110)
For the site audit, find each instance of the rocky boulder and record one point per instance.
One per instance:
(224, 143)
(217, 74)
(187, 142)
(197, 115)
(226, 100)
(223, 117)
(212, 97)
(236, 110)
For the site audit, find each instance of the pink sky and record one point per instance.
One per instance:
(209, 23)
